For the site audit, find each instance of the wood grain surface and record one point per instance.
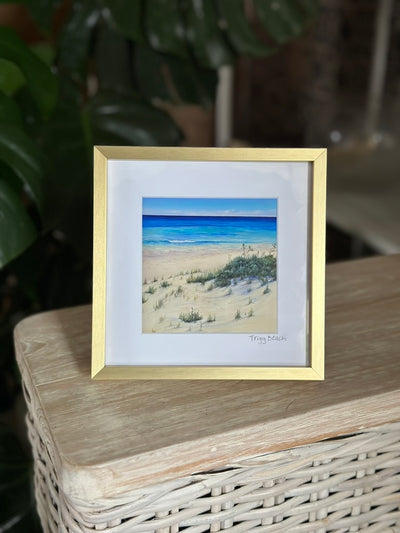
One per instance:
(111, 437)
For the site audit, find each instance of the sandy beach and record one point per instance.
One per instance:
(174, 303)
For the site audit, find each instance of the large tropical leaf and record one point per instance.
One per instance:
(39, 78)
(17, 231)
(166, 77)
(113, 60)
(42, 11)
(22, 155)
(151, 72)
(126, 16)
(63, 138)
(45, 51)
(204, 34)
(68, 146)
(126, 120)
(11, 78)
(239, 30)
(194, 84)
(283, 20)
(74, 40)
(164, 26)
(9, 111)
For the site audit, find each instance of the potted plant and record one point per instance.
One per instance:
(100, 72)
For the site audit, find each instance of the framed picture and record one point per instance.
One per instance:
(208, 263)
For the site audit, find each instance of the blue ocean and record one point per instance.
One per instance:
(172, 231)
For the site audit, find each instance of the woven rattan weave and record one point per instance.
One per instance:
(237, 456)
(338, 485)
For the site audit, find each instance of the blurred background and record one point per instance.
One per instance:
(74, 73)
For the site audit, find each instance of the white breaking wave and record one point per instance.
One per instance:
(179, 241)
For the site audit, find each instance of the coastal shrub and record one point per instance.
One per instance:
(242, 267)
(151, 289)
(201, 278)
(252, 266)
(192, 316)
(266, 290)
(238, 316)
(210, 287)
(165, 284)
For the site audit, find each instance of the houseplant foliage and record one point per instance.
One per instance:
(107, 67)
(101, 74)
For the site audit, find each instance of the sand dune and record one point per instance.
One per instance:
(172, 305)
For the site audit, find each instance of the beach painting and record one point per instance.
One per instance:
(209, 265)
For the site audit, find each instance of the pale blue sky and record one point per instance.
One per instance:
(265, 207)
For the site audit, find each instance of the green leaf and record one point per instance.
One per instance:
(39, 78)
(9, 111)
(283, 20)
(150, 72)
(74, 40)
(113, 59)
(17, 231)
(63, 140)
(42, 11)
(124, 120)
(31, 115)
(11, 78)
(45, 52)
(68, 187)
(174, 79)
(165, 27)
(194, 84)
(22, 155)
(64, 137)
(126, 16)
(240, 32)
(204, 34)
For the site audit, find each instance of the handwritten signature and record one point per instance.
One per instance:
(261, 339)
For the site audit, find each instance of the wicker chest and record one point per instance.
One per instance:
(238, 456)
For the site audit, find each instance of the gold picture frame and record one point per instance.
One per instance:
(136, 194)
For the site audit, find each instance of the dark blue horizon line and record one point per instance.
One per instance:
(207, 216)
